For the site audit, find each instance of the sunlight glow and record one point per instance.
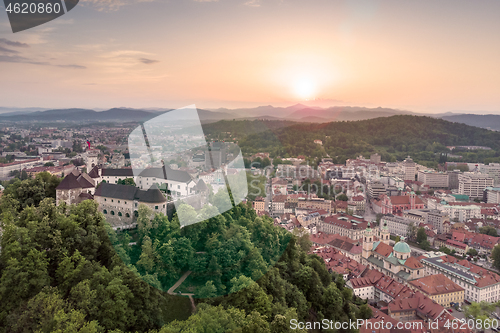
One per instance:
(305, 88)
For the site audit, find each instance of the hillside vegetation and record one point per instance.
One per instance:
(61, 270)
(394, 138)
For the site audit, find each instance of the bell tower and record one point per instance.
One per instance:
(367, 242)
(385, 234)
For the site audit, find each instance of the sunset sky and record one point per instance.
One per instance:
(422, 56)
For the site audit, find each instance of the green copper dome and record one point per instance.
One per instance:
(402, 247)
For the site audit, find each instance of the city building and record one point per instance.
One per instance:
(344, 225)
(479, 283)
(315, 203)
(491, 195)
(375, 158)
(375, 189)
(409, 169)
(440, 289)
(259, 204)
(473, 184)
(433, 178)
(434, 217)
(375, 286)
(397, 225)
(356, 205)
(7, 168)
(396, 205)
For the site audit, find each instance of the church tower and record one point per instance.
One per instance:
(367, 242)
(385, 234)
(412, 200)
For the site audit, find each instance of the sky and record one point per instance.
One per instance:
(422, 56)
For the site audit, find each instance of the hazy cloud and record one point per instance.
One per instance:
(72, 66)
(21, 59)
(111, 5)
(5, 41)
(6, 50)
(148, 61)
(253, 3)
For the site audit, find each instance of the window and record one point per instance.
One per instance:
(112, 200)
(105, 211)
(119, 213)
(136, 213)
(104, 199)
(118, 201)
(127, 215)
(112, 212)
(156, 207)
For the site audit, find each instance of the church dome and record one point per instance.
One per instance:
(402, 247)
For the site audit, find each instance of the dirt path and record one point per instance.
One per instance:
(177, 284)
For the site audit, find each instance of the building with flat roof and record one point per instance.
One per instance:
(409, 169)
(397, 225)
(473, 184)
(433, 178)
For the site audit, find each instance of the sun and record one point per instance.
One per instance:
(304, 88)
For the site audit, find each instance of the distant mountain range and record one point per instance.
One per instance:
(489, 121)
(297, 113)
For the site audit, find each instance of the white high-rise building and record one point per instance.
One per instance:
(474, 183)
(409, 169)
(433, 178)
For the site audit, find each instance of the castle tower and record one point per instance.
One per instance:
(367, 242)
(92, 160)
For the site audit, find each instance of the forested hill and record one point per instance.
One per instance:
(240, 128)
(395, 137)
(64, 269)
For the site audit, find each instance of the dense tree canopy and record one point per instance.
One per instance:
(64, 269)
(394, 138)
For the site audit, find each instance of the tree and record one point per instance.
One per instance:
(365, 312)
(472, 252)
(488, 230)
(421, 235)
(412, 231)
(495, 255)
(425, 245)
(126, 181)
(342, 197)
(207, 291)
(48, 164)
(444, 249)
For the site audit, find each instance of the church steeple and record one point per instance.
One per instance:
(385, 234)
(367, 241)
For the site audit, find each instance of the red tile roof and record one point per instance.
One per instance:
(413, 263)
(436, 285)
